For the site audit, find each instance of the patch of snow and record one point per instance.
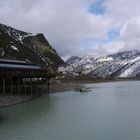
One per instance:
(27, 60)
(2, 53)
(14, 48)
(136, 59)
(28, 35)
(43, 59)
(105, 59)
(129, 72)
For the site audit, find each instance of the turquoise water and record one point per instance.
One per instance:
(109, 112)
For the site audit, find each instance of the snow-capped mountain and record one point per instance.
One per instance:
(122, 64)
(20, 45)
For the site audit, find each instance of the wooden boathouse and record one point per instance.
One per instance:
(22, 78)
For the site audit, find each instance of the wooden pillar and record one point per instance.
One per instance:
(31, 82)
(25, 92)
(48, 84)
(42, 84)
(3, 85)
(11, 86)
(18, 86)
(37, 87)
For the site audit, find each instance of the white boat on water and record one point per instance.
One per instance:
(85, 89)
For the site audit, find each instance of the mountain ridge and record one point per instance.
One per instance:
(121, 64)
(20, 45)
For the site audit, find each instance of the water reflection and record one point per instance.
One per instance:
(109, 111)
(2, 119)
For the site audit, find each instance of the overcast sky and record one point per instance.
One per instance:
(78, 27)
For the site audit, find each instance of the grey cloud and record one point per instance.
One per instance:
(67, 23)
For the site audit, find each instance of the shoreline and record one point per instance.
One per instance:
(56, 86)
(7, 100)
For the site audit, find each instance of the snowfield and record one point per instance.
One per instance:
(122, 64)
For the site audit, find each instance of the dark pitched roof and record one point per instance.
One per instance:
(15, 64)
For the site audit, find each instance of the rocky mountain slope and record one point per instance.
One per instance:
(122, 64)
(19, 45)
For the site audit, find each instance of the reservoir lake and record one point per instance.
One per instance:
(111, 111)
